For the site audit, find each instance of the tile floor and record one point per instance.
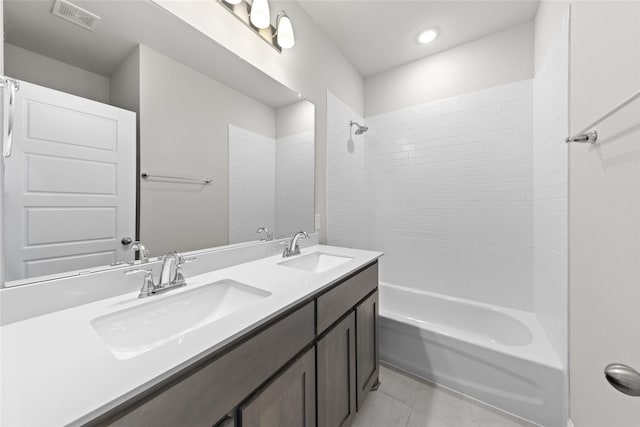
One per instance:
(402, 401)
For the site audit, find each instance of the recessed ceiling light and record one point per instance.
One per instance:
(427, 36)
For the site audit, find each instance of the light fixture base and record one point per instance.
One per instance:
(242, 11)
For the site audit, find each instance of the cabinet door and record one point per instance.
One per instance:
(336, 375)
(288, 400)
(367, 361)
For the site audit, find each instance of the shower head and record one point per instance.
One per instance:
(359, 129)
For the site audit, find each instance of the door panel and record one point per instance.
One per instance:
(367, 362)
(69, 184)
(337, 375)
(289, 400)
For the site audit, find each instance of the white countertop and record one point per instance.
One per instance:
(56, 369)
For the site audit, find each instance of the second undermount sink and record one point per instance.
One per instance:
(136, 330)
(316, 262)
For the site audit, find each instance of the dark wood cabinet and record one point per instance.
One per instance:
(288, 400)
(336, 375)
(367, 359)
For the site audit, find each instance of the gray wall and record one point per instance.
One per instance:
(497, 59)
(311, 68)
(604, 210)
(184, 118)
(295, 118)
(125, 83)
(41, 70)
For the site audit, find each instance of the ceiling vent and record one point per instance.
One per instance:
(74, 14)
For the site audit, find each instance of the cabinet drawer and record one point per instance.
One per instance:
(342, 298)
(203, 397)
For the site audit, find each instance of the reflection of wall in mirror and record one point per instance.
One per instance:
(44, 71)
(270, 181)
(252, 168)
(294, 168)
(184, 117)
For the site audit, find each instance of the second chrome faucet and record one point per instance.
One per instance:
(293, 247)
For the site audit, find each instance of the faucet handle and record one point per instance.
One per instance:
(138, 270)
(148, 287)
(182, 260)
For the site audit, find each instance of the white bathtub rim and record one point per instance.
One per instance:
(539, 350)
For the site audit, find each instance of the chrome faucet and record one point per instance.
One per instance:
(143, 253)
(171, 272)
(170, 275)
(293, 248)
(268, 234)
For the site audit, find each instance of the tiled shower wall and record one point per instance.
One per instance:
(252, 164)
(294, 183)
(346, 199)
(550, 192)
(447, 194)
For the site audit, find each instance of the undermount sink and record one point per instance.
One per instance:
(316, 262)
(133, 331)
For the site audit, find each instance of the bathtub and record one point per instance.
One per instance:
(493, 354)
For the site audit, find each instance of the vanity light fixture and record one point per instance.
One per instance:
(256, 15)
(427, 36)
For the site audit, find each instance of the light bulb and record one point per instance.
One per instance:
(260, 15)
(285, 36)
(427, 36)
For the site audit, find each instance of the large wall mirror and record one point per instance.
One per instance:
(140, 127)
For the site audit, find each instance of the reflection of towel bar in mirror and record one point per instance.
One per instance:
(180, 178)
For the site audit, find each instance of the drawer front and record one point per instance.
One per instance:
(336, 302)
(204, 397)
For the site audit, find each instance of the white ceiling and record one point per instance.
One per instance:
(378, 35)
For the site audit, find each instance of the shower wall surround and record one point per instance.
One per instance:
(269, 184)
(550, 192)
(449, 194)
(294, 184)
(252, 187)
(347, 218)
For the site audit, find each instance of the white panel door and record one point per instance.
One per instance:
(69, 184)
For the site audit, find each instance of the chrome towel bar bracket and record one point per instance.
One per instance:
(589, 137)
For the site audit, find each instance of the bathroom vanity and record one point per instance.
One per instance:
(302, 351)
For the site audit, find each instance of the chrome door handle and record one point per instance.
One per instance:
(126, 241)
(623, 378)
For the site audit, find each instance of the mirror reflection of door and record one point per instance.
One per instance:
(69, 184)
(184, 99)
